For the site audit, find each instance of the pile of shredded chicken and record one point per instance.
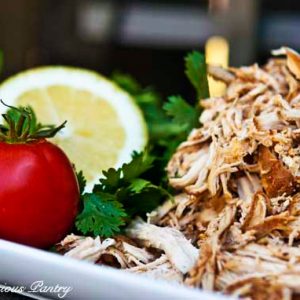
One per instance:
(234, 226)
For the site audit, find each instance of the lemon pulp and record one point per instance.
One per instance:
(93, 136)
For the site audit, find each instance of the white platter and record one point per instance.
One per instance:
(22, 266)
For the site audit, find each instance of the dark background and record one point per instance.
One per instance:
(147, 39)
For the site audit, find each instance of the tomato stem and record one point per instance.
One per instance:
(21, 126)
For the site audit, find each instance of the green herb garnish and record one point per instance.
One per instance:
(182, 113)
(119, 196)
(102, 215)
(195, 70)
(140, 186)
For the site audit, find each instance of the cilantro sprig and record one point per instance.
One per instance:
(195, 70)
(140, 186)
(102, 215)
(169, 122)
(120, 195)
(151, 103)
(183, 114)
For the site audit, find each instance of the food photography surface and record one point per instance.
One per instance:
(135, 166)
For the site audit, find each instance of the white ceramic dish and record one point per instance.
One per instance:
(22, 266)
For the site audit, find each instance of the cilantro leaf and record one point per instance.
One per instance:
(81, 182)
(138, 185)
(195, 69)
(119, 196)
(102, 215)
(140, 163)
(141, 196)
(182, 112)
(143, 202)
(116, 178)
(159, 124)
(126, 82)
(110, 182)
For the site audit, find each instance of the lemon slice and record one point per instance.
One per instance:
(104, 124)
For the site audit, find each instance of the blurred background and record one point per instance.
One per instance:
(147, 39)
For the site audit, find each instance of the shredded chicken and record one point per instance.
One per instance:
(119, 252)
(234, 226)
(161, 268)
(178, 249)
(245, 177)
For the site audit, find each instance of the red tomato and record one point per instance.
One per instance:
(39, 194)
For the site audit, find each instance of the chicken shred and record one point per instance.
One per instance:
(178, 249)
(234, 226)
(252, 134)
